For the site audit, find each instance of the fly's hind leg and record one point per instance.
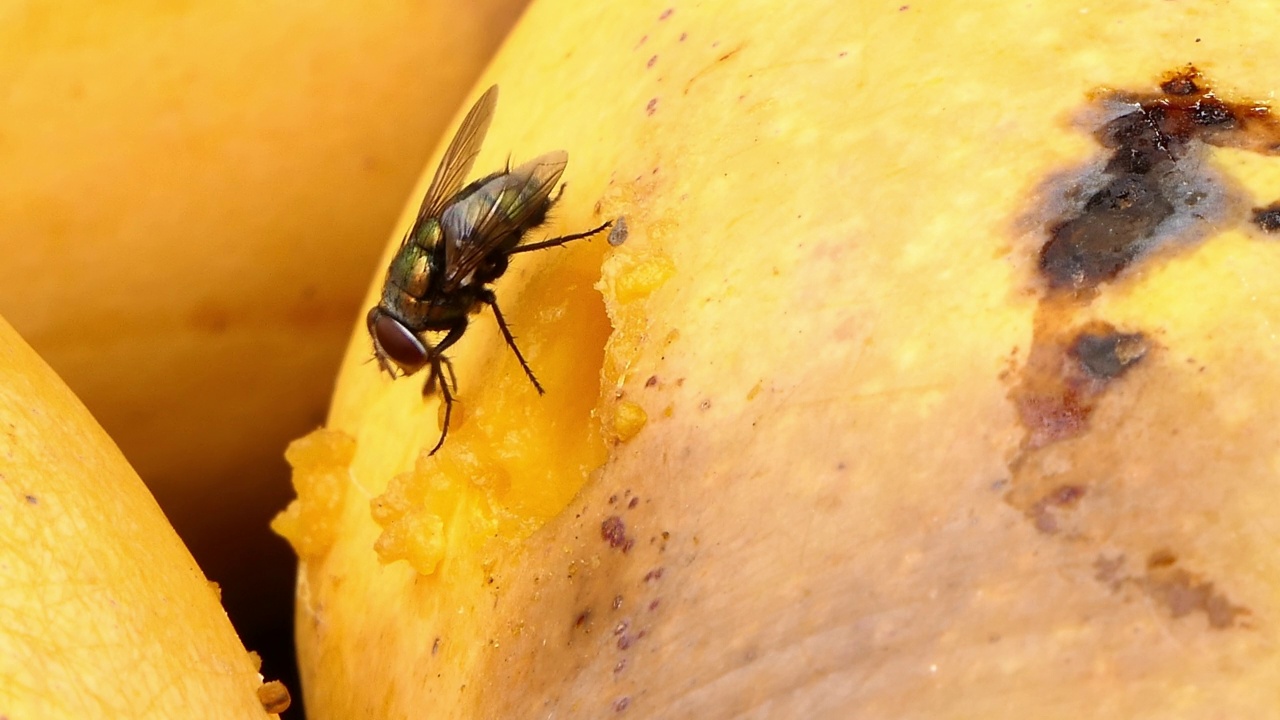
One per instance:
(488, 298)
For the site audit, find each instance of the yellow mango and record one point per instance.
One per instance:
(823, 437)
(106, 614)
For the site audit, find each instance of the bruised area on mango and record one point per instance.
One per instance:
(1103, 407)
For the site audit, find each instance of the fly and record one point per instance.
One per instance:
(458, 245)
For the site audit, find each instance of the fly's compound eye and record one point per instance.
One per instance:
(399, 344)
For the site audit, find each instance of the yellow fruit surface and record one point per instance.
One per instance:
(104, 612)
(191, 195)
(787, 464)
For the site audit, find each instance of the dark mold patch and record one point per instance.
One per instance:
(1154, 187)
(1153, 191)
(1108, 355)
(1267, 218)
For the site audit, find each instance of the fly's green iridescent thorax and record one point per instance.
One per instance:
(410, 271)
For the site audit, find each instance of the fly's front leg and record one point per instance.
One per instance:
(556, 242)
(488, 298)
(456, 329)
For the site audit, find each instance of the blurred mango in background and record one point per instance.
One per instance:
(193, 196)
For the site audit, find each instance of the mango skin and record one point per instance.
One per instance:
(824, 524)
(191, 198)
(105, 613)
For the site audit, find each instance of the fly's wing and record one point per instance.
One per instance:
(501, 208)
(460, 156)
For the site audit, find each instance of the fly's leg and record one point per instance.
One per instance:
(488, 298)
(430, 386)
(448, 385)
(446, 394)
(556, 242)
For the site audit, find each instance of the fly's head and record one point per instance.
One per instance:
(395, 346)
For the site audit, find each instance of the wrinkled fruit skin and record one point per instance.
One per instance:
(105, 613)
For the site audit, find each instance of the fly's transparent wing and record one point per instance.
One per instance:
(460, 156)
(498, 211)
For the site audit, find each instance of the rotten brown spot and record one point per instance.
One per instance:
(1180, 591)
(1183, 593)
(1067, 372)
(1154, 186)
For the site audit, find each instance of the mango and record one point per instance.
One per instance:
(930, 380)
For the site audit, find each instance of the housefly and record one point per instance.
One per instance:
(458, 245)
